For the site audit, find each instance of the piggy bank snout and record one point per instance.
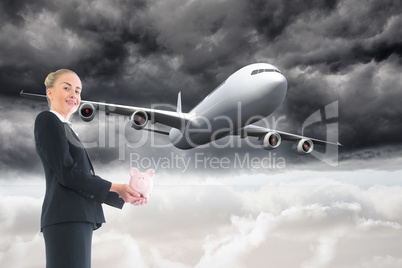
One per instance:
(141, 184)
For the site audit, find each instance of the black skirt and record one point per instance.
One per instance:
(68, 244)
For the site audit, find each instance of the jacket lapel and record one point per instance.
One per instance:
(73, 138)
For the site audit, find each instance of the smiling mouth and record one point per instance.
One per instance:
(71, 102)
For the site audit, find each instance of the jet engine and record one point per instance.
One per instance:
(139, 119)
(304, 146)
(87, 112)
(271, 140)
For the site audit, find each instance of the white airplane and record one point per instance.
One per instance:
(248, 95)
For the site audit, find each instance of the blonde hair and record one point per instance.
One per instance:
(51, 79)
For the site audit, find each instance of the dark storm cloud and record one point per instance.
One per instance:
(91, 38)
(13, 11)
(16, 135)
(112, 28)
(348, 53)
(352, 32)
(270, 18)
(367, 99)
(144, 52)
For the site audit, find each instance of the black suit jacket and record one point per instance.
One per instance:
(73, 191)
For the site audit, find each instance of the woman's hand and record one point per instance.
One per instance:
(128, 194)
(141, 202)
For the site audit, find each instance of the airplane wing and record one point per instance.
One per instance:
(257, 131)
(175, 119)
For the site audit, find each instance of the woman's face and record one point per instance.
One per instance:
(65, 95)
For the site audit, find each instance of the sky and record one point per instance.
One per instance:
(231, 203)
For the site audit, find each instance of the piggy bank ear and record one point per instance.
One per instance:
(134, 172)
(150, 173)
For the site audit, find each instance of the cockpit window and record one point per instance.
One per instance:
(264, 70)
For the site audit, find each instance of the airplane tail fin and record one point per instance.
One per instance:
(179, 102)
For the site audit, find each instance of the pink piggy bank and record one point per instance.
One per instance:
(142, 182)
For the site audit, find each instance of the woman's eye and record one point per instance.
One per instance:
(78, 92)
(66, 88)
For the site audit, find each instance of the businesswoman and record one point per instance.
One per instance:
(72, 205)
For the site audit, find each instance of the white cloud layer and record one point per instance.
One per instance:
(306, 223)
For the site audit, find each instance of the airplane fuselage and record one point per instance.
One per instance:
(248, 95)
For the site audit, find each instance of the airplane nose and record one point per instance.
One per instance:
(279, 80)
(278, 83)
(276, 88)
(283, 83)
